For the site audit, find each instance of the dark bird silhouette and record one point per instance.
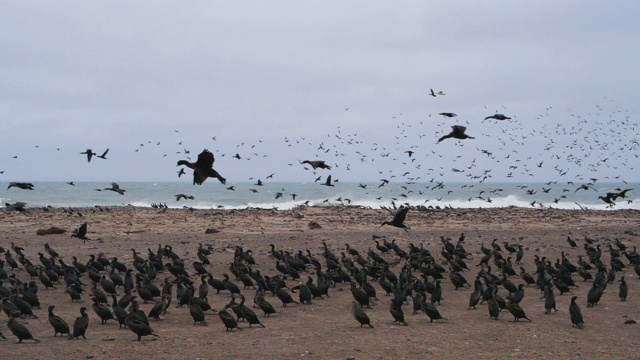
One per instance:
(398, 219)
(59, 325)
(583, 187)
(80, 325)
(575, 314)
(448, 114)
(456, 133)
(183, 196)
(622, 193)
(609, 199)
(18, 206)
(515, 310)
(104, 154)
(397, 313)
(203, 168)
(18, 329)
(328, 182)
(317, 164)
(81, 233)
(181, 172)
(360, 315)
(431, 311)
(115, 188)
(497, 117)
(20, 185)
(624, 289)
(71, 183)
(228, 320)
(138, 327)
(89, 154)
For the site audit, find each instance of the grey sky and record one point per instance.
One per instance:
(78, 75)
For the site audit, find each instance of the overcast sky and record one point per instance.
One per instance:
(344, 81)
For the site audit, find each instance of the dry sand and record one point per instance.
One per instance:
(326, 329)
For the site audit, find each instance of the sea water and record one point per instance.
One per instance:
(374, 195)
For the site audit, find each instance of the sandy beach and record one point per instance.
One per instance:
(326, 329)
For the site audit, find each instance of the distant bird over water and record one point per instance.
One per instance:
(183, 196)
(20, 185)
(456, 133)
(203, 168)
(328, 182)
(116, 188)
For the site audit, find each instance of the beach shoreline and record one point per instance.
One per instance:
(326, 329)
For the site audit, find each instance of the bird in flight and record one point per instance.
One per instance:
(203, 168)
(115, 188)
(328, 182)
(398, 219)
(104, 154)
(183, 196)
(81, 233)
(609, 199)
(448, 114)
(497, 117)
(89, 154)
(456, 133)
(317, 164)
(20, 185)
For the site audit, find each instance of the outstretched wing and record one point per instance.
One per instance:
(198, 178)
(400, 216)
(105, 153)
(328, 180)
(82, 230)
(205, 159)
(459, 129)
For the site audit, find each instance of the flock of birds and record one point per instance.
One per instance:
(163, 277)
(153, 278)
(576, 151)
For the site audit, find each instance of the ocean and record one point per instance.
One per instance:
(215, 195)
